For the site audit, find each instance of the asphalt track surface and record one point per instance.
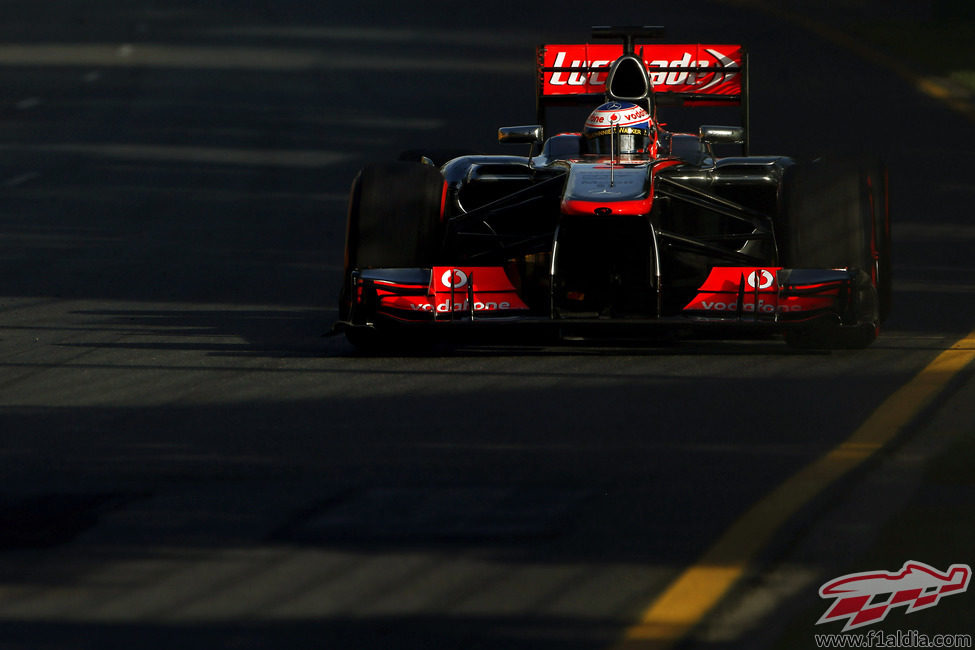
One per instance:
(188, 461)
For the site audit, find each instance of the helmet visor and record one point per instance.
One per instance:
(628, 140)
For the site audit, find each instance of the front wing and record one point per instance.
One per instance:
(762, 298)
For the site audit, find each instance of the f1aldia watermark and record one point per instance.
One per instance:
(866, 598)
(898, 639)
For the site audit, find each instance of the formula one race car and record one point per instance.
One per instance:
(623, 224)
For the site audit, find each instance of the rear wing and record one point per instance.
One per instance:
(681, 74)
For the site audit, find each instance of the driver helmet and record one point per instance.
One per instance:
(630, 124)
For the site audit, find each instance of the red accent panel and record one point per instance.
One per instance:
(485, 278)
(639, 207)
(672, 68)
(492, 292)
(719, 293)
(443, 201)
(728, 278)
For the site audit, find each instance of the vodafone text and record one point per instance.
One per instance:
(632, 116)
(762, 307)
(444, 307)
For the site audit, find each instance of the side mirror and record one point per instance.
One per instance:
(532, 134)
(722, 134)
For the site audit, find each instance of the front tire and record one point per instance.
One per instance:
(394, 221)
(876, 178)
(394, 216)
(829, 219)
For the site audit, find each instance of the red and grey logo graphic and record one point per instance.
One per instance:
(866, 598)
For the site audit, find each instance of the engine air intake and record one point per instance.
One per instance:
(628, 80)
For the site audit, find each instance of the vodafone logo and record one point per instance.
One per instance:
(454, 278)
(761, 279)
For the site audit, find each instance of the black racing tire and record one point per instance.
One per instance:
(394, 220)
(877, 180)
(394, 216)
(827, 220)
(824, 217)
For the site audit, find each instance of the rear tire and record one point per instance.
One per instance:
(439, 157)
(394, 221)
(828, 219)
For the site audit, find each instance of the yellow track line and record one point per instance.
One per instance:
(700, 587)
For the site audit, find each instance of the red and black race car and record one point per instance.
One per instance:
(624, 224)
